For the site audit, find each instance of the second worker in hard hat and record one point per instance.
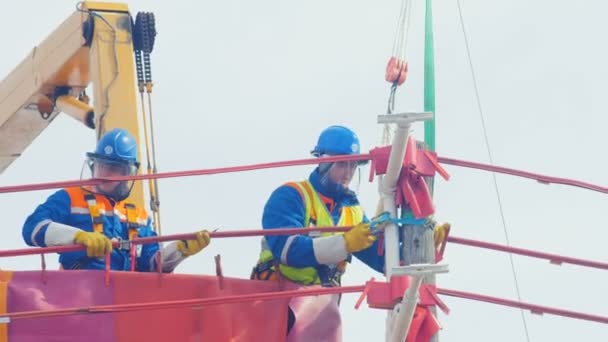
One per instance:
(324, 199)
(94, 216)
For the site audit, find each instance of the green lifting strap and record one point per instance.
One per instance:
(429, 81)
(429, 91)
(429, 77)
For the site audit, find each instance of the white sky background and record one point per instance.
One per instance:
(241, 82)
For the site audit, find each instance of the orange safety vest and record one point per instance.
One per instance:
(97, 206)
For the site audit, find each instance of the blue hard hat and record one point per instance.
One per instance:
(117, 145)
(336, 140)
(116, 153)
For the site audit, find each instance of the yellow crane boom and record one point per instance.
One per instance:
(92, 47)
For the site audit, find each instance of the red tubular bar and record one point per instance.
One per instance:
(553, 258)
(174, 237)
(200, 172)
(537, 309)
(538, 177)
(444, 160)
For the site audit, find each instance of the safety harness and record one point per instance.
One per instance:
(132, 225)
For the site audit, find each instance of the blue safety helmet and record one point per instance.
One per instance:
(336, 140)
(116, 151)
(117, 145)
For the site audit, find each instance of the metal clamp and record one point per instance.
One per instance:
(124, 244)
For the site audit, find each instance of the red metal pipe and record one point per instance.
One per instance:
(174, 174)
(537, 309)
(174, 237)
(553, 258)
(444, 160)
(538, 177)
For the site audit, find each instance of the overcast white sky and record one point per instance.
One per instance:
(240, 82)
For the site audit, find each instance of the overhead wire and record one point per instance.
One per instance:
(494, 178)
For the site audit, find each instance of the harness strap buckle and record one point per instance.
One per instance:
(328, 276)
(264, 270)
(124, 244)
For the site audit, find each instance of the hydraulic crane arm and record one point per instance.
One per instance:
(93, 46)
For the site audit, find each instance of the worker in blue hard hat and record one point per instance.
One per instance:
(115, 155)
(324, 199)
(94, 216)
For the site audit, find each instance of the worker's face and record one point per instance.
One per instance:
(103, 169)
(342, 172)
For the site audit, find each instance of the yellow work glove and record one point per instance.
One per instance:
(359, 238)
(191, 247)
(97, 244)
(439, 233)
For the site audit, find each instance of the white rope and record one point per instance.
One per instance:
(399, 52)
(401, 33)
(407, 29)
(399, 29)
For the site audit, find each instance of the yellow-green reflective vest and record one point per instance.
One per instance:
(315, 214)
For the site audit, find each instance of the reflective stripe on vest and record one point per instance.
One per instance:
(316, 214)
(94, 212)
(133, 231)
(85, 202)
(131, 214)
(132, 220)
